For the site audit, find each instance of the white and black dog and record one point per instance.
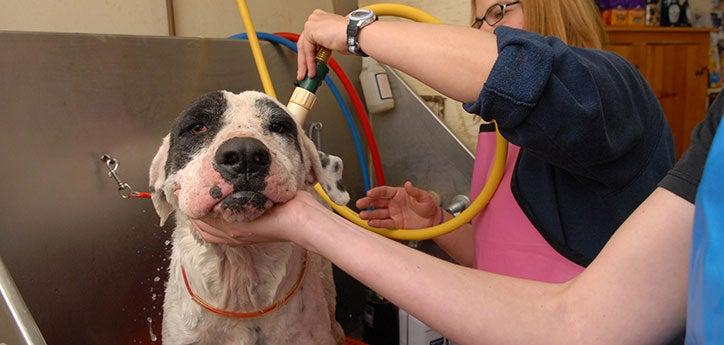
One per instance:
(235, 156)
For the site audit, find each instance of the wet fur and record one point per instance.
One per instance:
(245, 278)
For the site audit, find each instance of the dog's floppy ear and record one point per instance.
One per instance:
(327, 170)
(156, 178)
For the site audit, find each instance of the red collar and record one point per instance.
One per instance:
(258, 313)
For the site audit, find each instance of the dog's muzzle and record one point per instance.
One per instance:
(244, 163)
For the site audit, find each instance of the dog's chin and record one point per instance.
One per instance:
(243, 206)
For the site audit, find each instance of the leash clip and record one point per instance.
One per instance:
(124, 189)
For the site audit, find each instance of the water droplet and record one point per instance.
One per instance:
(138, 251)
(158, 269)
(157, 278)
(150, 329)
(153, 297)
(167, 242)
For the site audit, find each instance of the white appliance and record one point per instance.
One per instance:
(414, 332)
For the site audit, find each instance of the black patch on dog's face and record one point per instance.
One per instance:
(249, 184)
(244, 183)
(323, 159)
(215, 192)
(279, 122)
(340, 186)
(238, 200)
(194, 128)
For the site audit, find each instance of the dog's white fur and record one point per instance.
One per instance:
(244, 278)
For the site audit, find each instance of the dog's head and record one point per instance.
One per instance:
(237, 155)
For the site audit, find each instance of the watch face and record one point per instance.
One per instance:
(361, 14)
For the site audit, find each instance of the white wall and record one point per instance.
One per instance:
(214, 18)
(449, 11)
(134, 17)
(197, 18)
(456, 12)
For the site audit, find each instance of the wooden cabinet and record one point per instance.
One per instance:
(675, 62)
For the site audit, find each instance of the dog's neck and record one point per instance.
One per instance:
(241, 279)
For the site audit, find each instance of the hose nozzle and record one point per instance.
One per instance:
(303, 97)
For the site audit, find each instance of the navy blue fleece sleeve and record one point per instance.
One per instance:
(587, 111)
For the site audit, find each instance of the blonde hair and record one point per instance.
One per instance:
(575, 22)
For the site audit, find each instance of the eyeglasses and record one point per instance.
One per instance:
(493, 15)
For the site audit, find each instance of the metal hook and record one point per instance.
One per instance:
(315, 133)
(124, 189)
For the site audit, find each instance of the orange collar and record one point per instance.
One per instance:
(258, 313)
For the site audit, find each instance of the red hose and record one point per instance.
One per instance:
(359, 109)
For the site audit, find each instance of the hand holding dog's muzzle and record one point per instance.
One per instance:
(282, 223)
(270, 227)
(214, 230)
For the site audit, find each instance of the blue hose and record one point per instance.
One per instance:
(354, 131)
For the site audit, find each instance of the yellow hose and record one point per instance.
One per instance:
(496, 172)
(256, 48)
(491, 185)
(403, 11)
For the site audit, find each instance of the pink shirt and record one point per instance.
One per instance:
(505, 240)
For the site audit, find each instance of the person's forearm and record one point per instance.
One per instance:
(466, 305)
(459, 244)
(453, 60)
(633, 293)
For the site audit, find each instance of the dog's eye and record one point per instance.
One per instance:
(278, 128)
(197, 128)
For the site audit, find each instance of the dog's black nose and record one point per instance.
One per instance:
(243, 156)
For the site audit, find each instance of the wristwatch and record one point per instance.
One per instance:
(357, 20)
